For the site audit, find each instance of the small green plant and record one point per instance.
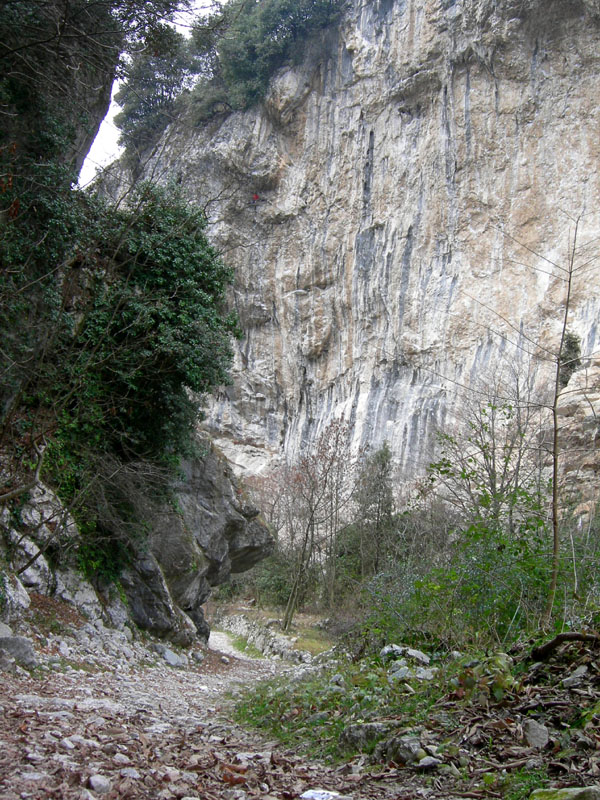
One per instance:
(242, 645)
(570, 357)
(521, 783)
(314, 712)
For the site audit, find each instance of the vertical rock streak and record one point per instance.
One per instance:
(399, 167)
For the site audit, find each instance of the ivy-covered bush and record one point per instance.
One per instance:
(113, 323)
(112, 318)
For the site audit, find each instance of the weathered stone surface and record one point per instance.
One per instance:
(213, 532)
(173, 659)
(360, 735)
(536, 735)
(99, 784)
(403, 653)
(20, 648)
(579, 793)
(16, 599)
(429, 762)
(575, 677)
(401, 749)
(401, 672)
(71, 587)
(374, 276)
(418, 656)
(150, 603)
(391, 651)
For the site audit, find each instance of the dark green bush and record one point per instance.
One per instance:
(112, 319)
(113, 322)
(230, 59)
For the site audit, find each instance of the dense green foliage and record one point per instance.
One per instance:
(128, 317)
(230, 58)
(262, 37)
(112, 318)
(155, 77)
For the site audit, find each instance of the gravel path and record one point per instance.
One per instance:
(144, 729)
(221, 642)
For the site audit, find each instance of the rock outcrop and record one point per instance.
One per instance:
(210, 533)
(418, 177)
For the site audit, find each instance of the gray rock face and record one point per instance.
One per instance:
(361, 735)
(374, 276)
(20, 649)
(150, 603)
(213, 533)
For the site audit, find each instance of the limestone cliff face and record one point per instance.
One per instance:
(407, 172)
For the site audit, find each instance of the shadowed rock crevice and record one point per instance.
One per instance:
(208, 532)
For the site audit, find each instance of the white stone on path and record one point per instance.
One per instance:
(99, 784)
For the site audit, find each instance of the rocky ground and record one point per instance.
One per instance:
(102, 715)
(88, 712)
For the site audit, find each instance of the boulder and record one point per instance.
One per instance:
(20, 649)
(213, 533)
(429, 762)
(150, 604)
(395, 652)
(99, 784)
(362, 735)
(400, 749)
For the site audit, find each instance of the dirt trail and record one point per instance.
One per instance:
(148, 731)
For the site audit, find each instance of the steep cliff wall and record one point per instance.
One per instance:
(400, 168)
